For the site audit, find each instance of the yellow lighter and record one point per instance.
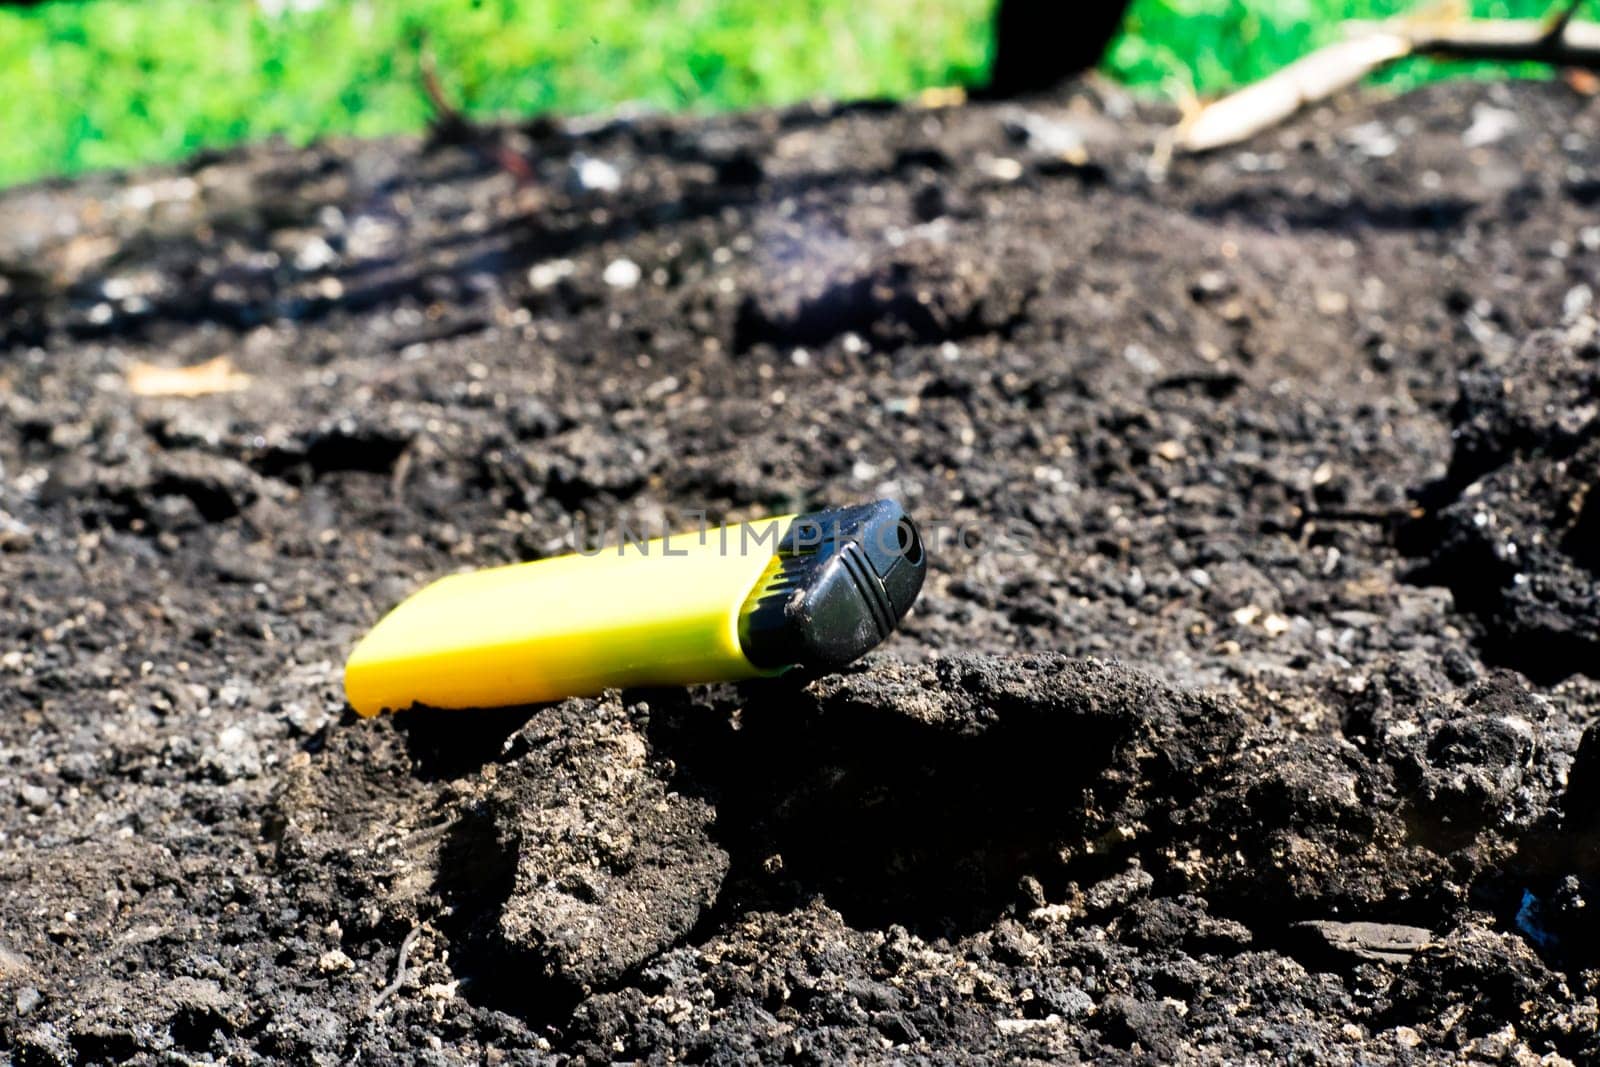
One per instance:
(718, 604)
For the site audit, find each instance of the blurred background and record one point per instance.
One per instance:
(89, 84)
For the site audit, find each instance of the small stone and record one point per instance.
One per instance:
(316, 254)
(1022, 1026)
(1579, 299)
(235, 755)
(595, 175)
(622, 274)
(335, 962)
(35, 797)
(1489, 124)
(1140, 359)
(1212, 283)
(307, 719)
(15, 536)
(1373, 140)
(1118, 890)
(1381, 942)
(548, 275)
(896, 1027)
(1332, 302)
(1074, 1003)
(1002, 168)
(1050, 137)
(28, 998)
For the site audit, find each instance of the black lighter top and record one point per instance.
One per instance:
(840, 582)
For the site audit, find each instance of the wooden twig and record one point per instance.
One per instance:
(1559, 41)
(1563, 43)
(449, 125)
(1556, 28)
(1257, 107)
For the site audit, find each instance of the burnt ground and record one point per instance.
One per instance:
(1272, 739)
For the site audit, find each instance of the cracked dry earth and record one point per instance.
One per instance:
(1276, 742)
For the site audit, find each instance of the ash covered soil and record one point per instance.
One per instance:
(1276, 740)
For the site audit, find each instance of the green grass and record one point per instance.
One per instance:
(107, 83)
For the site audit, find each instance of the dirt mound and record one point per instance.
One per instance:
(1069, 832)
(1178, 756)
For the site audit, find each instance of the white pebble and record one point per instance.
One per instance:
(622, 274)
(597, 175)
(547, 275)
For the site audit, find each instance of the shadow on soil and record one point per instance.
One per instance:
(889, 820)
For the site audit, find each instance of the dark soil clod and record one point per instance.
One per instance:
(1514, 532)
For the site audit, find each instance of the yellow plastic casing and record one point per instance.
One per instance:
(664, 613)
